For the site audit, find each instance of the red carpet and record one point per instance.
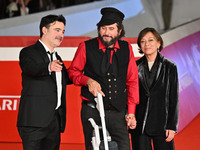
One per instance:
(188, 139)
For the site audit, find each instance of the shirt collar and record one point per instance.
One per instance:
(46, 48)
(103, 47)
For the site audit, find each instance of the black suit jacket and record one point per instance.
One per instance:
(159, 105)
(39, 91)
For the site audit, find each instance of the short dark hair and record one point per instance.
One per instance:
(47, 20)
(120, 26)
(154, 32)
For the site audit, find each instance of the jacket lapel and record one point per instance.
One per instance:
(45, 56)
(159, 70)
(42, 51)
(142, 76)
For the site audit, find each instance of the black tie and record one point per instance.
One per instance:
(51, 58)
(115, 64)
(106, 62)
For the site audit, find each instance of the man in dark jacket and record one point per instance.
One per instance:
(42, 108)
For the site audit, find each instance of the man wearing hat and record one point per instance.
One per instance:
(106, 64)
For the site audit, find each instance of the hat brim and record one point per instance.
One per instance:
(106, 22)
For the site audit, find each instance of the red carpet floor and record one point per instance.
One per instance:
(188, 139)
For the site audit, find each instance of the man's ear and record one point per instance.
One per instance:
(44, 30)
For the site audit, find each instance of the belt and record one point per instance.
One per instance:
(89, 103)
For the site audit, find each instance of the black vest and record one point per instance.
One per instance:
(113, 87)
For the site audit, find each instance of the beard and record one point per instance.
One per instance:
(108, 43)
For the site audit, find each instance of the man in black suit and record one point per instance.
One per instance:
(42, 108)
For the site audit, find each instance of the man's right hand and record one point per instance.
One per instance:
(94, 87)
(56, 66)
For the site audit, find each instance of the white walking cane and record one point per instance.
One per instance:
(100, 107)
(96, 137)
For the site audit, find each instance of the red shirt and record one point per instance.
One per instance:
(75, 73)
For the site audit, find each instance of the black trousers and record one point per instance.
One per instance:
(41, 138)
(145, 142)
(115, 124)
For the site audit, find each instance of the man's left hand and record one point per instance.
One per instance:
(131, 121)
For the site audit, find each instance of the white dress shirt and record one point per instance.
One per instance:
(58, 76)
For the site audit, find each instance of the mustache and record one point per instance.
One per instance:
(59, 38)
(107, 36)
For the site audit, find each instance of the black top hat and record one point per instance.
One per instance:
(110, 16)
